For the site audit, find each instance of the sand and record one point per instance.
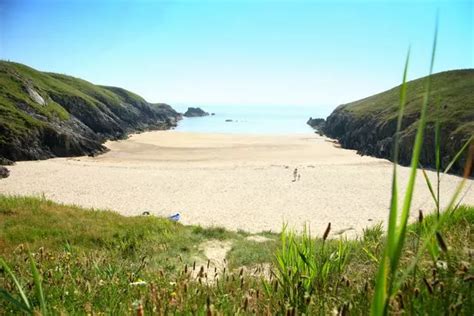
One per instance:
(234, 181)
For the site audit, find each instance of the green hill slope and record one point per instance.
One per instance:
(44, 115)
(368, 125)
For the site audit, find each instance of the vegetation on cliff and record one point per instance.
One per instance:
(369, 125)
(43, 115)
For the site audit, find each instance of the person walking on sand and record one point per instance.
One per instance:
(295, 174)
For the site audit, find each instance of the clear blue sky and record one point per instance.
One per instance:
(238, 52)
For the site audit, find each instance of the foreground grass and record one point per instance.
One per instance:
(100, 262)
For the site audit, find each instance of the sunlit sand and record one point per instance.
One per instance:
(235, 181)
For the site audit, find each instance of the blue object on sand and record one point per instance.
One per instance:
(174, 217)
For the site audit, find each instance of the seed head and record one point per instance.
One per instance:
(326, 232)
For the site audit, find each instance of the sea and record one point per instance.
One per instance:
(248, 119)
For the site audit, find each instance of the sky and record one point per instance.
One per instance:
(306, 53)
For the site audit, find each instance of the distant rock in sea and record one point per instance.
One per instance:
(229, 120)
(195, 112)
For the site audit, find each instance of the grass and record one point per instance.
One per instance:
(37, 222)
(102, 262)
(245, 253)
(453, 88)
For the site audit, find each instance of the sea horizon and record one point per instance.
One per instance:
(252, 119)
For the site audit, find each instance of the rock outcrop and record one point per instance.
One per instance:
(44, 115)
(195, 112)
(316, 123)
(369, 125)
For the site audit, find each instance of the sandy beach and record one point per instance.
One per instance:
(235, 181)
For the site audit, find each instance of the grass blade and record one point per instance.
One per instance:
(459, 153)
(20, 305)
(17, 284)
(38, 285)
(437, 155)
(379, 304)
(396, 233)
(430, 187)
(414, 162)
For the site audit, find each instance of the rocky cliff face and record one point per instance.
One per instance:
(44, 115)
(369, 125)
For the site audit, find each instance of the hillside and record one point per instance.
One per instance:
(45, 115)
(368, 125)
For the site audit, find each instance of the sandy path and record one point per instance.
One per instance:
(235, 181)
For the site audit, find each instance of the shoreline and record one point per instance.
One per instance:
(234, 181)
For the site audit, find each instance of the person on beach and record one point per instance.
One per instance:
(295, 174)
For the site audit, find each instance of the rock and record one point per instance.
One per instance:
(213, 114)
(229, 120)
(316, 123)
(6, 162)
(195, 112)
(35, 95)
(4, 172)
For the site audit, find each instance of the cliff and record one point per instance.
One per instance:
(368, 125)
(44, 115)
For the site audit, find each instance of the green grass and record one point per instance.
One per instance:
(15, 76)
(247, 253)
(452, 88)
(88, 260)
(41, 223)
